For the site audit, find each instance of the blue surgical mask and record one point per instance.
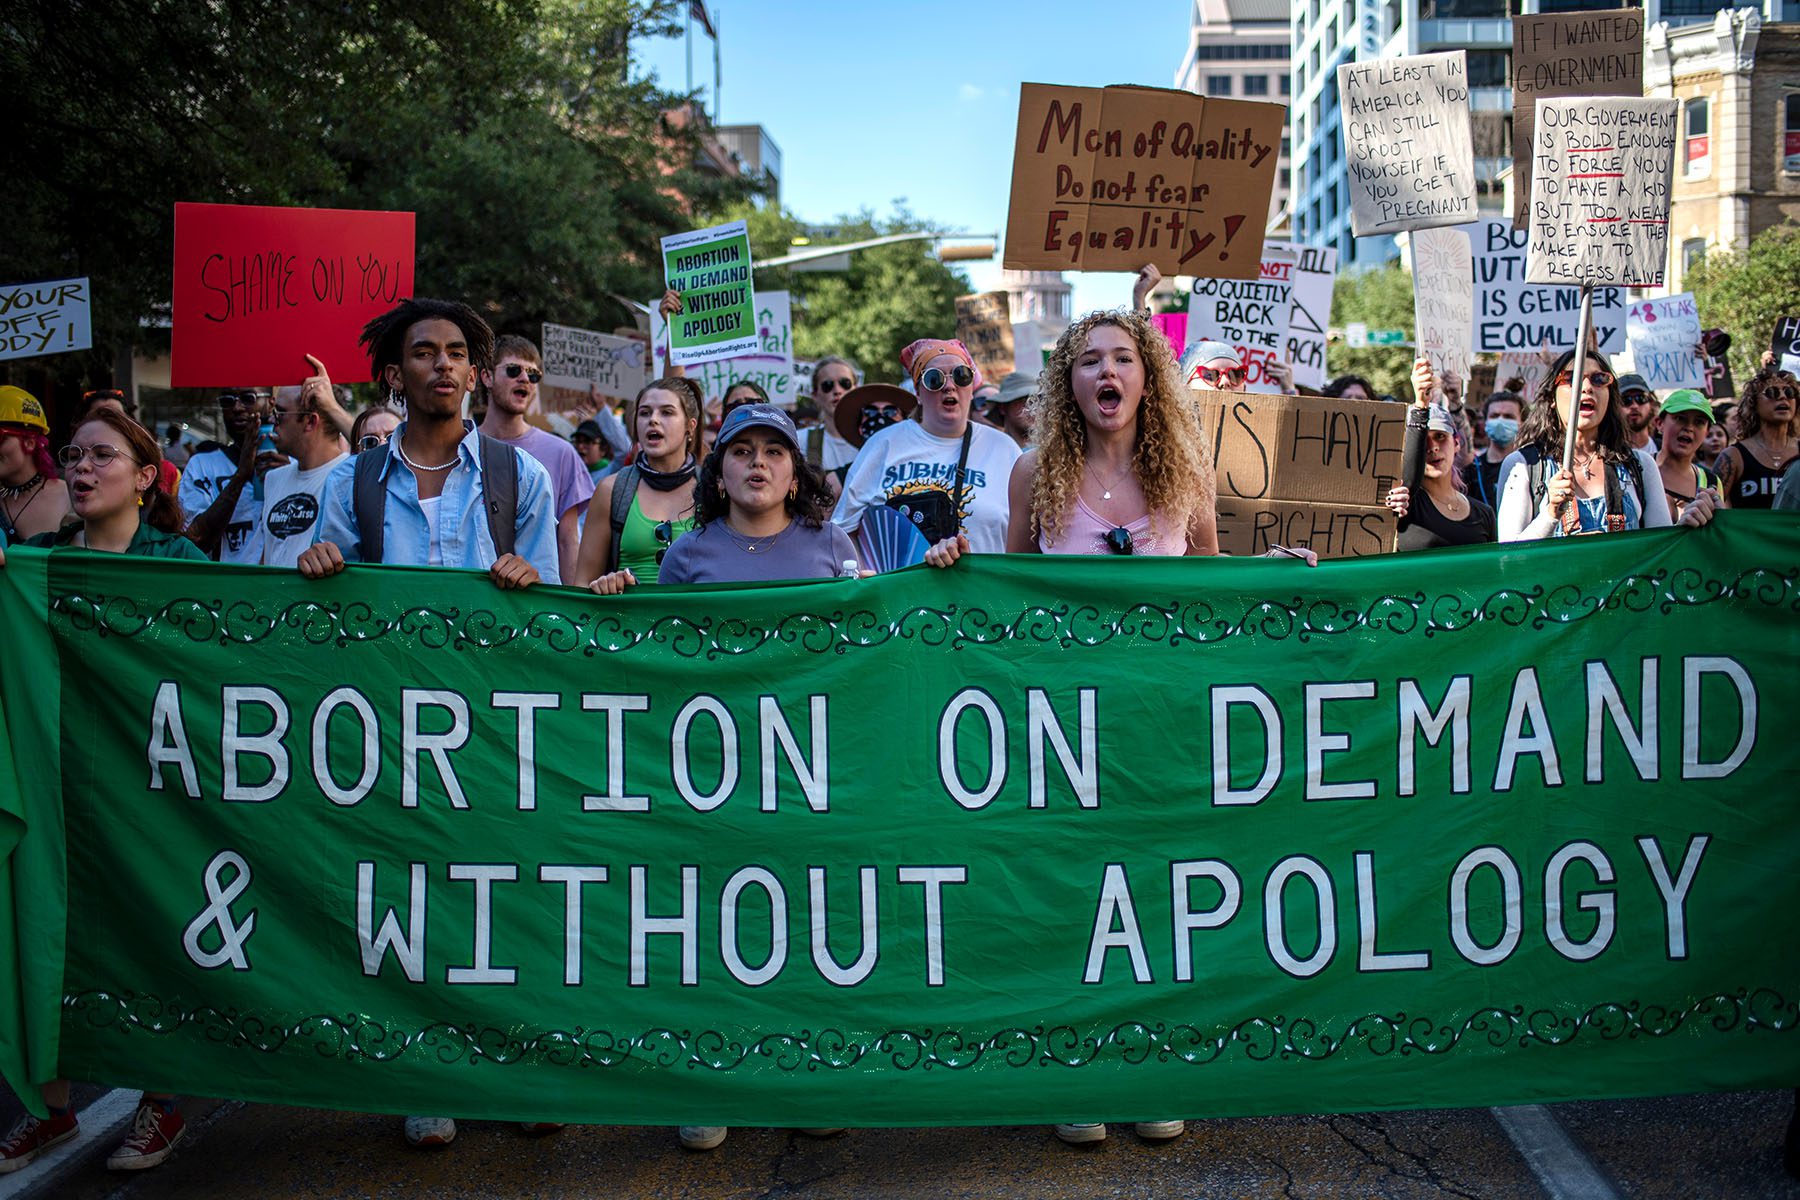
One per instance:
(1502, 431)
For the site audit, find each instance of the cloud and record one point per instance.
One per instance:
(969, 91)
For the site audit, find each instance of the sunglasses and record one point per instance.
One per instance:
(834, 385)
(936, 379)
(240, 399)
(1632, 399)
(1596, 377)
(102, 454)
(514, 370)
(888, 411)
(369, 441)
(664, 533)
(1782, 394)
(1213, 376)
(1118, 540)
(282, 414)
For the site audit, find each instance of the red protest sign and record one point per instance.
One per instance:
(258, 288)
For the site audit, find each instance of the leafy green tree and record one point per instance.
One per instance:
(1381, 298)
(1744, 292)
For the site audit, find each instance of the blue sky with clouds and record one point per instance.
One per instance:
(916, 102)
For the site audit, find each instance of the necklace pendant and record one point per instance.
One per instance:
(1105, 495)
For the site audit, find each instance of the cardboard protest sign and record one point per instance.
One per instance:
(711, 270)
(1786, 343)
(1407, 141)
(984, 325)
(1108, 179)
(579, 358)
(1664, 333)
(769, 364)
(257, 289)
(1513, 315)
(1314, 449)
(1309, 314)
(1597, 53)
(1249, 315)
(45, 318)
(1444, 300)
(1254, 527)
(1602, 169)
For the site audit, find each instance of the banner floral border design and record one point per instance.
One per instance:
(359, 1037)
(1173, 624)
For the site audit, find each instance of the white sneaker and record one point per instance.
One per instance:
(703, 1137)
(1159, 1131)
(1081, 1135)
(430, 1131)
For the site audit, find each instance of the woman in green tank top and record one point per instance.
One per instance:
(658, 498)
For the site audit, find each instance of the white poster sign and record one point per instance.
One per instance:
(1601, 171)
(1664, 333)
(579, 358)
(1407, 142)
(1309, 314)
(1513, 315)
(1444, 300)
(45, 318)
(770, 365)
(1248, 314)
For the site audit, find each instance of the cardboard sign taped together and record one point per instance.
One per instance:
(1316, 449)
(618, 367)
(1596, 53)
(1602, 170)
(1255, 527)
(1407, 142)
(257, 289)
(984, 325)
(1108, 179)
(45, 318)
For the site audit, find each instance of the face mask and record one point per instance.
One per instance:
(1502, 430)
(874, 421)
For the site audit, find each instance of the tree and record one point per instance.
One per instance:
(1381, 298)
(1745, 292)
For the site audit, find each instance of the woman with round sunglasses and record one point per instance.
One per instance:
(110, 466)
(945, 472)
(1766, 422)
(638, 512)
(32, 499)
(1610, 486)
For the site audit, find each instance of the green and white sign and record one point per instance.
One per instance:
(1026, 840)
(711, 270)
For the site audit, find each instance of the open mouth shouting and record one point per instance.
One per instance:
(1108, 398)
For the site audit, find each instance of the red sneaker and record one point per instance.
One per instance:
(152, 1138)
(30, 1137)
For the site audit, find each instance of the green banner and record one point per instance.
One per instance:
(1025, 840)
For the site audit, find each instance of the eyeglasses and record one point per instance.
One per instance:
(833, 385)
(282, 414)
(664, 533)
(936, 379)
(103, 455)
(1215, 377)
(514, 370)
(1782, 394)
(1118, 540)
(886, 412)
(1598, 378)
(369, 441)
(240, 399)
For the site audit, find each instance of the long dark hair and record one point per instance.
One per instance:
(1542, 426)
(161, 511)
(811, 505)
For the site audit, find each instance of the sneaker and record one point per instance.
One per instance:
(703, 1137)
(31, 1136)
(540, 1128)
(1161, 1131)
(1081, 1135)
(153, 1136)
(430, 1131)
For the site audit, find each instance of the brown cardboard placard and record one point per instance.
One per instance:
(1315, 449)
(1253, 527)
(1590, 53)
(984, 325)
(1107, 179)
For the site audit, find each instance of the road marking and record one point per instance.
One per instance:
(102, 1120)
(1562, 1167)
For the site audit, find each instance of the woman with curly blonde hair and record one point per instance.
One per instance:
(1118, 463)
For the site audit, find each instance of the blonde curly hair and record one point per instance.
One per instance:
(1171, 461)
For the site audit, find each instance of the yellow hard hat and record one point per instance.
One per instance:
(20, 407)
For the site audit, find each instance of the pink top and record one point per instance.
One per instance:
(1086, 532)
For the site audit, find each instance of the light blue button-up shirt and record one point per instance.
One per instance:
(463, 538)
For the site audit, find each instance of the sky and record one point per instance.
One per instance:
(916, 102)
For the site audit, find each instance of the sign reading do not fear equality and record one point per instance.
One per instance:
(1108, 179)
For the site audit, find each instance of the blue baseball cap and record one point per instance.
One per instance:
(753, 416)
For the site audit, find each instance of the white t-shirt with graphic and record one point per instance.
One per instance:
(290, 511)
(906, 458)
(201, 484)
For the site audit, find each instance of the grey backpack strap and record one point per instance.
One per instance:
(500, 488)
(368, 499)
(625, 486)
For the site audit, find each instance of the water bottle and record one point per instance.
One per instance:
(266, 446)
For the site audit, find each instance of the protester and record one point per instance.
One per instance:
(512, 391)
(590, 447)
(1011, 406)
(1610, 486)
(175, 451)
(32, 499)
(740, 393)
(111, 466)
(290, 513)
(1685, 419)
(168, 474)
(1500, 417)
(1766, 426)
(373, 427)
(221, 490)
(638, 512)
(1718, 434)
(1351, 387)
(948, 474)
(1430, 500)
(824, 446)
(1213, 366)
(1638, 406)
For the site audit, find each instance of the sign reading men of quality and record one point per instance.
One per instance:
(1110, 179)
(45, 318)
(984, 325)
(1600, 191)
(711, 270)
(1407, 140)
(580, 358)
(1444, 300)
(257, 289)
(1597, 53)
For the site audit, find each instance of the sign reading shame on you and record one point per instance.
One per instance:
(632, 859)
